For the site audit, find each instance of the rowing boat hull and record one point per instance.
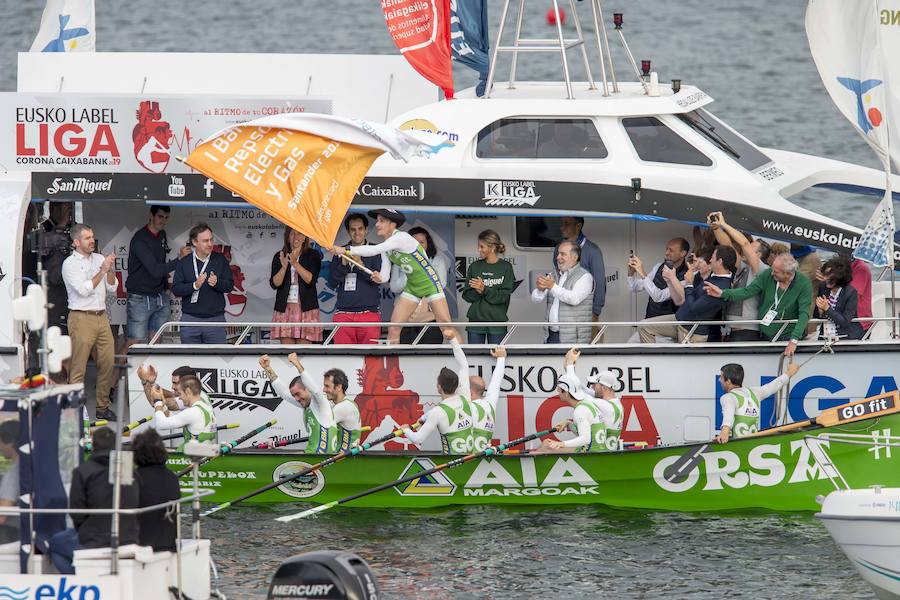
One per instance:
(776, 472)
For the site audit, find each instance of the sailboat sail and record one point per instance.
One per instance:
(849, 42)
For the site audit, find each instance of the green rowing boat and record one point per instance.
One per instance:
(783, 469)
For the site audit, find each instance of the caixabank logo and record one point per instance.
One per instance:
(238, 389)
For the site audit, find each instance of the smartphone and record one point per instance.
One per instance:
(631, 254)
(669, 263)
(713, 217)
(691, 258)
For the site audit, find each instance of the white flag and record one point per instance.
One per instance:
(845, 39)
(66, 26)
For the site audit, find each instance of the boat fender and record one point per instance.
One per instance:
(325, 574)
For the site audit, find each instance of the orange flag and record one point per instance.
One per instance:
(304, 180)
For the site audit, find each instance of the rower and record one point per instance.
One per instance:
(484, 402)
(590, 431)
(403, 250)
(740, 405)
(171, 398)
(452, 417)
(318, 414)
(346, 413)
(601, 389)
(197, 420)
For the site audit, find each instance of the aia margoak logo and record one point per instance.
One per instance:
(152, 137)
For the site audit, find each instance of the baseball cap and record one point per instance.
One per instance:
(607, 378)
(390, 214)
(571, 384)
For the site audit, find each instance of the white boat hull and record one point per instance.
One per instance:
(866, 526)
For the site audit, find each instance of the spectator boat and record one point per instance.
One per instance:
(783, 469)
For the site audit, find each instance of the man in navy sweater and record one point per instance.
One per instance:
(201, 280)
(694, 304)
(148, 277)
(358, 294)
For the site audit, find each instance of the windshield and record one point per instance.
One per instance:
(726, 139)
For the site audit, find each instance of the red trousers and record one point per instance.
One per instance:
(357, 335)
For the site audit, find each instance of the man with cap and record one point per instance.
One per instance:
(586, 422)
(601, 389)
(422, 280)
(452, 417)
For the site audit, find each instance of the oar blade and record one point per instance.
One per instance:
(308, 513)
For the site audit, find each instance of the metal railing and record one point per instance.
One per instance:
(246, 328)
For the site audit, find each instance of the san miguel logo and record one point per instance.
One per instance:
(238, 389)
(152, 137)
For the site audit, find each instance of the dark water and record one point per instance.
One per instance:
(553, 552)
(753, 58)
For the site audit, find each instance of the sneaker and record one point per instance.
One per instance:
(106, 415)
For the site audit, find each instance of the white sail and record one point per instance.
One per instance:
(849, 41)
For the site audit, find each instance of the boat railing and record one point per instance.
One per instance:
(168, 505)
(878, 442)
(242, 330)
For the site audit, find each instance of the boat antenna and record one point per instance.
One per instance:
(558, 44)
(618, 22)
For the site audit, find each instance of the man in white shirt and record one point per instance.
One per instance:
(568, 301)
(88, 277)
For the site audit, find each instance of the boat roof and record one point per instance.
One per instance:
(546, 96)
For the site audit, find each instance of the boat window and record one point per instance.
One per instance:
(655, 142)
(717, 132)
(537, 232)
(541, 139)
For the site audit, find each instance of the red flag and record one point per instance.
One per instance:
(421, 30)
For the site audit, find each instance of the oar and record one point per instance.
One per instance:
(448, 465)
(288, 478)
(99, 423)
(288, 442)
(172, 436)
(280, 443)
(136, 424)
(226, 448)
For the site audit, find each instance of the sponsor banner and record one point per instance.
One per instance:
(76, 587)
(549, 197)
(123, 133)
(659, 401)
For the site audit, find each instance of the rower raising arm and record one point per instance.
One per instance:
(600, 389)
(452, 418)
(484, 402)
(317, 410)
(294, 393)
(741, 405)
(198, 421)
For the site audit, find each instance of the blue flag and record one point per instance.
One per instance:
(469, 37)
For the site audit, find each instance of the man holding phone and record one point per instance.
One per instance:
(639, 280)
(202, 279)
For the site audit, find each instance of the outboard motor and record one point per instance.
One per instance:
(324, 575)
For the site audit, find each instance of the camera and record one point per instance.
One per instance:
(46, 243)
